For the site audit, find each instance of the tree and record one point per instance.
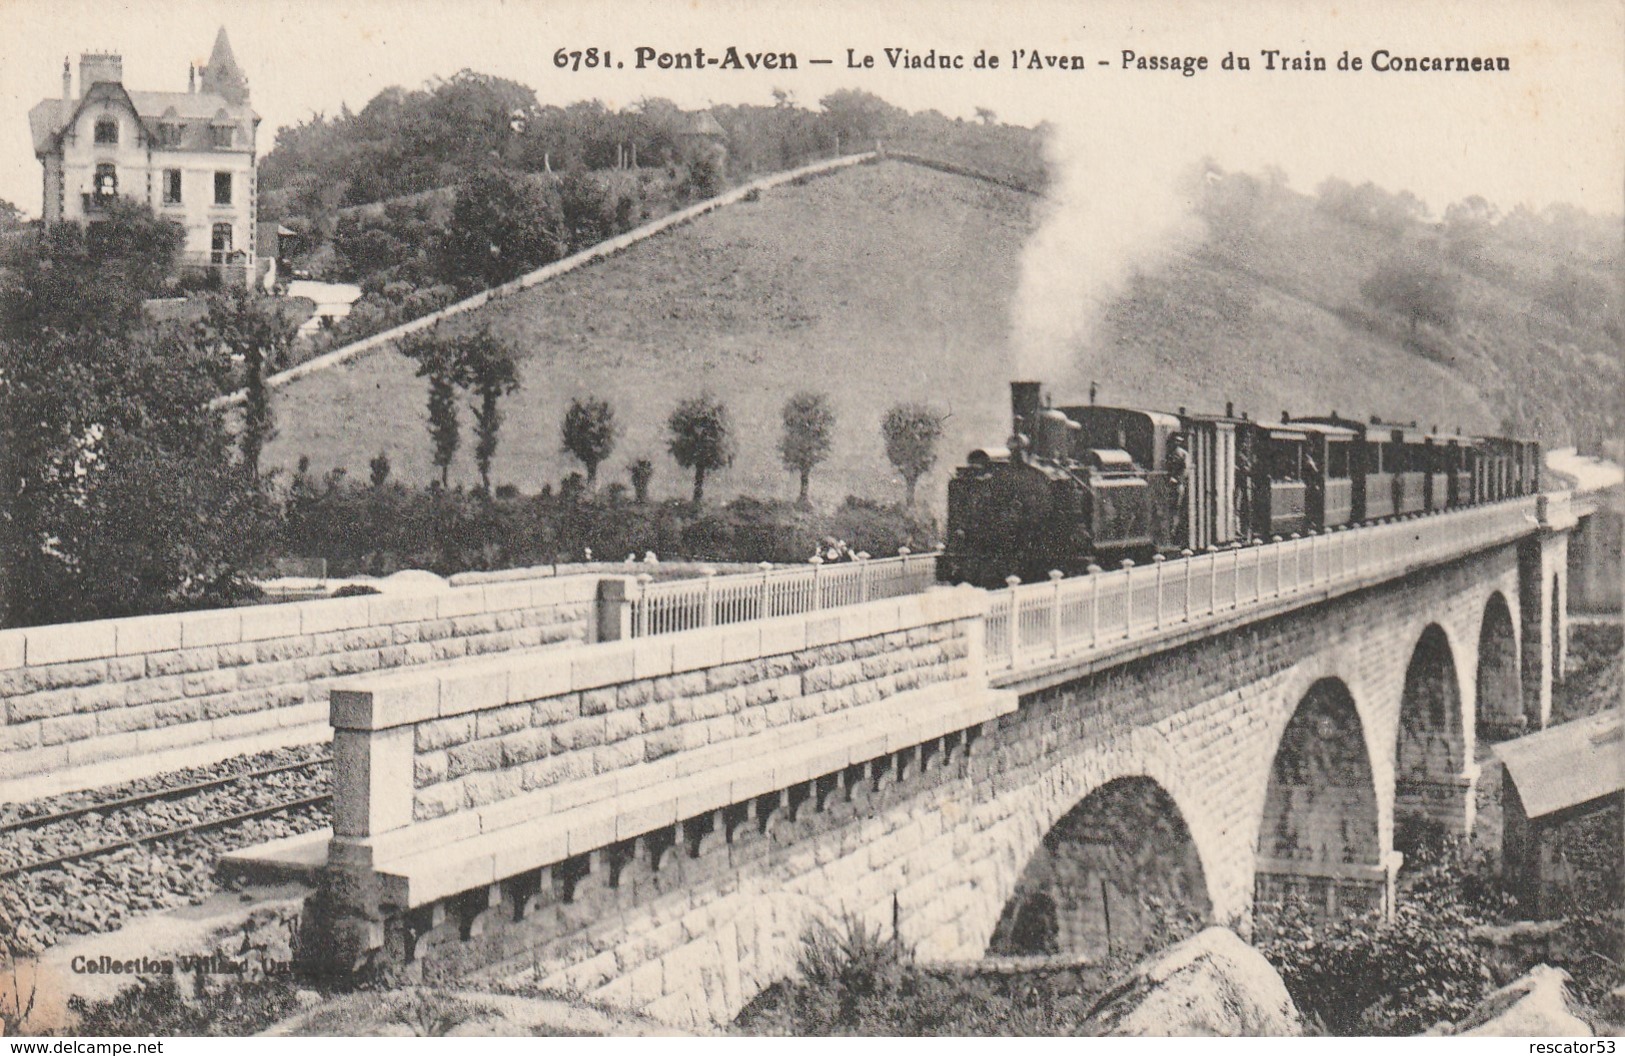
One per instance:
(642, 472)
(1415, 289)
(378, 469)
(912, 431)
(10, 215)
(1578, 296)
(857, 118)
(259, 331)
(986, 116)
(592, 211)
(589, 434)
(502, 225)
(436, 357)
(485, 365)
(700, 439)
(68, 277)
(119, 493)
(808, 425)
(1468, 227)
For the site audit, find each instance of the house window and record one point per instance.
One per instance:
(169, 135)
(222, 135)
(106, 181)
(222, 188)
(107, 130)
(220, 244)
(172, 186)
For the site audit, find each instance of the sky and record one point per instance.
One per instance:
(1550, 130)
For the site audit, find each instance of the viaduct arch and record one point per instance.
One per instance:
(1500, 706)
(1433, 753)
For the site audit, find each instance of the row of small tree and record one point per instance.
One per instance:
(700, 434)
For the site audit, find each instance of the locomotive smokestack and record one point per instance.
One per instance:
(1024, 407)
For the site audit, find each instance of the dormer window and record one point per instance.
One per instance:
(106, 130)
(169, 134)
(223, 136)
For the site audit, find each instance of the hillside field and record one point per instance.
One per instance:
(882, 283)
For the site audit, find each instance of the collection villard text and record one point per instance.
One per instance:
(215, 964)
(1269, 60)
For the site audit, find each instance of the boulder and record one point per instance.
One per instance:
(1211, 985)
(1535, 1005)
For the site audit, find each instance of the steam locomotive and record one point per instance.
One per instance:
(1083, 485)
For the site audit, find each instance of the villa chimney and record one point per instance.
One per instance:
(191, 78)
(101, 67)
(67, 79)
(1285, 417)
(1229, 408)
(1091, 394)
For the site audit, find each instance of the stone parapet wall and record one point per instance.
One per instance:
(438, 751)
(78, 694)
(465, 761)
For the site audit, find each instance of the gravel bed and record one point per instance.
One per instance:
(41, 908)
(34, 808)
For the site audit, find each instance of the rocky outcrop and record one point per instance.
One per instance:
(1536, 1005)
(1211, 985)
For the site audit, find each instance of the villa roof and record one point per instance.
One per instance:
(50, 116)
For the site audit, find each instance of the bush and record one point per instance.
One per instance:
(1365, 975)
(851, 980)
(362, 528)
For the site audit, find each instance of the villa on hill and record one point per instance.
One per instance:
(189, 155)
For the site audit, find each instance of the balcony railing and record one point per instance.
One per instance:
(712, 600)
(211, 265)
(1032, 624)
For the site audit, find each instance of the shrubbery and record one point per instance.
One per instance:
(851, 980)
(377, 530)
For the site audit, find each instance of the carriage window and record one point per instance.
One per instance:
(1337, 460)
(1373, 458)
(1283, 461)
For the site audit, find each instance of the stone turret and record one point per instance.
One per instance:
(222, 76)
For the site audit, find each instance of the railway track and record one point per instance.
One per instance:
(139, 801)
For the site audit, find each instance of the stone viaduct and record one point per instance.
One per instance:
(1060, 767)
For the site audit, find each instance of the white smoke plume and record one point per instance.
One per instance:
(1121, 198)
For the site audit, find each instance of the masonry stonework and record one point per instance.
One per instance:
(690, 918)
(85, 693)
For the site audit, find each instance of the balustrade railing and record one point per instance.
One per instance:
(1029, 624)
(712, 600)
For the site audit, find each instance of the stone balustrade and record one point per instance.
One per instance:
(1033, 624)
